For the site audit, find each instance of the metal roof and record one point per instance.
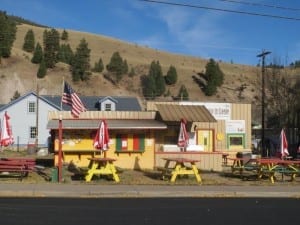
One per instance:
(92, 103)
(112, 124)
(191, 113)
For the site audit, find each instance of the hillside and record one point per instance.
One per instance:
(18, 73)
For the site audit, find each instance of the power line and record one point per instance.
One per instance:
(260, 4)
(221, 10)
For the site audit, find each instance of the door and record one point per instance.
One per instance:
(205, 139)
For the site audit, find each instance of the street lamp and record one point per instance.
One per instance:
(262, 56)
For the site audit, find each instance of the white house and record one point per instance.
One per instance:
(25, 122)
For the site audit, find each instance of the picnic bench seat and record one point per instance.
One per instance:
(17, 166)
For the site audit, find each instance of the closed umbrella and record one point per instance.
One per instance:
(101, 139)
(283, 144)
(6, 132)
(183, 137)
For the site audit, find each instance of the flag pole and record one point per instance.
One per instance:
(60, 149)
(62, 92)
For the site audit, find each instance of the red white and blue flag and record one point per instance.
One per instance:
(71, 98)
(283, 144)
(6, 132)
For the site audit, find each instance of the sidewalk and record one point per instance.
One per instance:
(117, 191)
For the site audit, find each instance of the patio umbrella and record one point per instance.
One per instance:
(6, 132)
(283, 144)
(101, 139)
(183, 138)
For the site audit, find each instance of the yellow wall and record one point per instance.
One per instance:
(77, 146)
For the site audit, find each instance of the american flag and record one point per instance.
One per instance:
(71, 98)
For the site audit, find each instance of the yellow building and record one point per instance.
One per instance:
(140, 140)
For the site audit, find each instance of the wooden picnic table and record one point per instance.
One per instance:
(101, 166)
(180, 166)
(269, 166)
(17, 166)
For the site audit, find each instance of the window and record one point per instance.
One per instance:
(236, 141)
(130, 143)
(33, 132)
(107, 107)
(31, 107)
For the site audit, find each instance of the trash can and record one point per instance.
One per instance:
(54, 174)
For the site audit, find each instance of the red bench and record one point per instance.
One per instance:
(17, 166)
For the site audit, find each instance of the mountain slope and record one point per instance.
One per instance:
(19, 74)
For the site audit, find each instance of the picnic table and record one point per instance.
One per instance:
(266, 167)
(269, 166)
(242, 164)
(17, 166)
(180, 166)
(101, 166)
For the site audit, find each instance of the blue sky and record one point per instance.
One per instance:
(195, 31)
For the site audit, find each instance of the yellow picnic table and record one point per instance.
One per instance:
(102, 166)
(182, 166)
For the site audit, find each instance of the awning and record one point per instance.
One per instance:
(114, 124)
(191, 113)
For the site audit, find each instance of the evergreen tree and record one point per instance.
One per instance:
(149, 90)
(64, 35)
(171, 77)
(16, 96)
(65, 54)
(116, 66)
(98, 66)
(37, 54)
(8, 31)
(125, 67)
(155, 72)
(29, 41)
(42, 70)
(80, 65)
(183, 93)
(51, 47)
(214, 77)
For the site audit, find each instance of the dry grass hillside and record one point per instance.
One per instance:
(17, 73)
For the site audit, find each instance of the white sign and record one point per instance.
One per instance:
(220, 111)
(235, 126)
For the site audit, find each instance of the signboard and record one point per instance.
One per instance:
(220, 111)
(235, 126)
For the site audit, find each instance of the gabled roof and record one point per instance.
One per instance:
(191, 113)
(92, 102)
(4, 107)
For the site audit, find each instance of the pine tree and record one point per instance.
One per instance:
(8, 31)
(42, 70)
(29, 41)
(116, 66)
(37, 54)
(80, 65)
(65, 54)
(149, 90)
(171, 77)
(183, 93)
(51, 47)
(64, 35)
(16, 96)
(98, 66)
(214, 77)
(155, 72)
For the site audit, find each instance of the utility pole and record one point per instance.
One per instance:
(262, 56)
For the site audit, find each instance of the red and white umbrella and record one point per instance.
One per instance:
(101, 139)
(183, 138)
(6, 138)
(283, 144)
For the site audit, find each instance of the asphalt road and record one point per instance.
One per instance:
(154, 211)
